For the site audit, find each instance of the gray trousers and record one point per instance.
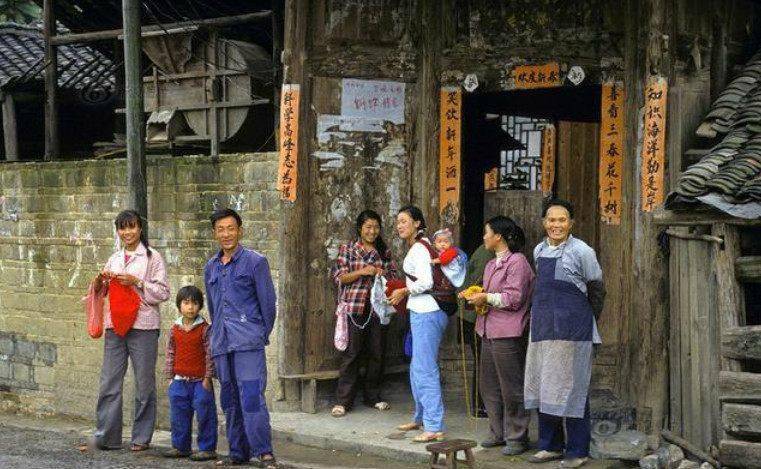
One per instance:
(141, 347)
(502, 367)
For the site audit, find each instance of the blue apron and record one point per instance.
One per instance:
(559, 310)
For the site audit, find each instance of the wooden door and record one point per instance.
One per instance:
(576, 180)
(349, 171)
(694, 338)
(525, 209)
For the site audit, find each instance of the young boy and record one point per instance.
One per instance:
(189, 369)
(453, 260)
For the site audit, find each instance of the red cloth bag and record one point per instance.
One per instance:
(94, 310)
(124, 302)
(395, 284)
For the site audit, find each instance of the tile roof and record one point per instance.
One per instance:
(729, 175)
(22, 53)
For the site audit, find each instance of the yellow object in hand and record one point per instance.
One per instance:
(470, 291)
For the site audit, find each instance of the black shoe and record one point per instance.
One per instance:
(492, 443)
(514, 448)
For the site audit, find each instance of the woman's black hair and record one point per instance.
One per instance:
(417, 215)
(192, 293)
(557, 203)
(380, 245)
(510, 231)
(129, 218)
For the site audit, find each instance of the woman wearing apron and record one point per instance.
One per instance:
(568, 298)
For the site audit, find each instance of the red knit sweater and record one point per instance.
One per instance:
(189, 351)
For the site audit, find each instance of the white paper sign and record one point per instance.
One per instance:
(373, 99)
(576, 75)
(470, 83)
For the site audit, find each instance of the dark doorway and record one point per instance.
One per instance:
(500, 129)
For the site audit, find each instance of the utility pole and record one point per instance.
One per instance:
(136, 177)
(51, 82)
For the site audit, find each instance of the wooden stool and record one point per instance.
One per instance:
(450, 448)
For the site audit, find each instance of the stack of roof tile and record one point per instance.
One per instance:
(732, 168)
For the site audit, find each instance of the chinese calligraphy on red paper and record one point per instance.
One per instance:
(490, 179)
(537, 76)
(611, 151)
(449, 153)
(653, 144)
(548, 158)
(287, 174)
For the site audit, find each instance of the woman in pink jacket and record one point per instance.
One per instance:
(142, 268)
(508, 284)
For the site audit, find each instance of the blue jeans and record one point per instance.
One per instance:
(186, 397)
(578, 431)
(243, 379)
(427, 332)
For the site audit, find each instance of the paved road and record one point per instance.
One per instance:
(27, 443)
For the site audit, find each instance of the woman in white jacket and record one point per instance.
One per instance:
(427, 323)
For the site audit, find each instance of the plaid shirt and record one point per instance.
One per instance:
(351, 257)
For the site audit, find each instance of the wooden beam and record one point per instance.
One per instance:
(688, 447)
(736, 386)
(740, 454)
(742, 420)
(152, 30)
(10, 128)
(136, 177)
(748, 269)
(52, 148)
(696, 237)
(742, 343)
(696, 217)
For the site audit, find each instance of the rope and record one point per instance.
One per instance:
(466, 385)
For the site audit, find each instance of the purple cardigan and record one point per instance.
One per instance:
(510, 276)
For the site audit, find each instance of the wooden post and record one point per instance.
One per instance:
(426, 162)
(293, 269)
(51, 82)
(213, 62)
(277, 73)
(10, 130)
(718, 50)
(136, 178)
(120, 123)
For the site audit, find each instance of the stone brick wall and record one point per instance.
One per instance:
(56, 232)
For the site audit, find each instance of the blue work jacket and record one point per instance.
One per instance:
(241, 301)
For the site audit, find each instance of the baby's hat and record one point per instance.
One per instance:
(446, 232)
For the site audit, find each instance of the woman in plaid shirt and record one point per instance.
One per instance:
(357, 265)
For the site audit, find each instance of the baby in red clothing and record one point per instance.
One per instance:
(189, 369)
(453, 260)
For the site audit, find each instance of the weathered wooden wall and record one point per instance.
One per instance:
(430, 43)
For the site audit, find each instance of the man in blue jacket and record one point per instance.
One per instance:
(241, 298)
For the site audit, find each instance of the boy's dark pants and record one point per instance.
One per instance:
(186, 397)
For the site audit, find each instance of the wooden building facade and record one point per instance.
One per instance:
(473, 53)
